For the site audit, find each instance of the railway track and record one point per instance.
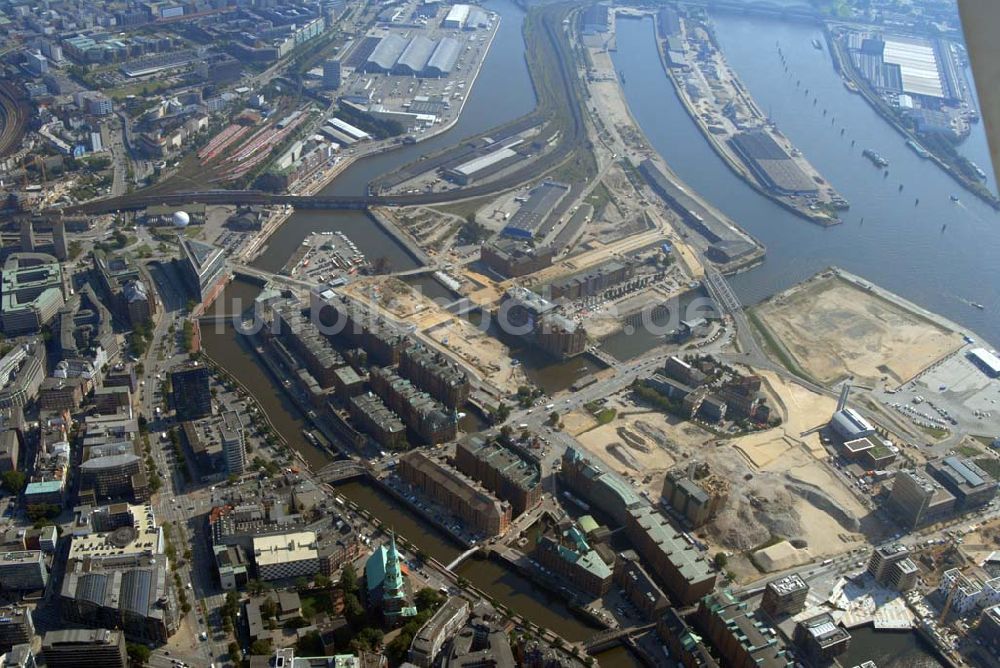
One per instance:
(554, 77)
(14, 113)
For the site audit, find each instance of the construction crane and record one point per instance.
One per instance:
(39, 163)
(948, 601)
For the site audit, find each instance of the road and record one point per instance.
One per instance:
(175, 504)
(119, 160)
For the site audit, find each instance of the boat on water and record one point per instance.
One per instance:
(954, 198)
(621, 73)
(979, 170)
(851, 86)
(817, 44)
(875, 157)
(978, 306)
(918, 149)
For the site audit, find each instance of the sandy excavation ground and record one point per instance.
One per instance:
(834, 328)
(640, 445)
(479, 350)
(778, 485)
(397, 298)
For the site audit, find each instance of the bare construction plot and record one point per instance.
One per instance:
(835, 325)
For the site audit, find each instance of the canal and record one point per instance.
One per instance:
(502, 92)
(496, 580)
(889, 649)
(899, 246)
(233, 353)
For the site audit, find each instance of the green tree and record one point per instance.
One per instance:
(138, 653)
(268, 608)
(261, 647)
(720, 560)
(428, 599)
(353, 611)
(310, 645)
(349, 579)
(14, 481)
(368, 638)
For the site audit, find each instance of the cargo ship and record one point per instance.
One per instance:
(918, 149)
(875, 157)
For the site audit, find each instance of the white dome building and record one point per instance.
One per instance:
(181, 219)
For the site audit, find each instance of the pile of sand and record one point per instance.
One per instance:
(755, 511)
(781, 556)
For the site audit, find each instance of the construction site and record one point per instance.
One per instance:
(780, 503)
(836, 325)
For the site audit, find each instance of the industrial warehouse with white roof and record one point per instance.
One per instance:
(419, 56)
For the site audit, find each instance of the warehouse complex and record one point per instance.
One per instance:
(419, 56)
(904, 65)
(535, 209)
(771, 164)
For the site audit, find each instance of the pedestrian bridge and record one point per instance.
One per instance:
(606, 639)
(462, 557)
(341, 470)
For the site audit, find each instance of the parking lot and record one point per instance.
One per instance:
(954, 394)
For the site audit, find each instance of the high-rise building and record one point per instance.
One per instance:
(989, 629)
(32, 291)
(9, 446)
(23, 571)
(331, 74)
(203, 267)
(286, 556)
(37, 63)
(918, 500)
(191, 392)
(891, 565)
(27, 237)
(234, 447)
(785, 596)
(971, 485)
(59, 245)
(432, 636)
(113, 471)
(84, 648)
(16, 627)
(821, 638)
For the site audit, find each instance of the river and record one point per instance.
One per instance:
(899, 246)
